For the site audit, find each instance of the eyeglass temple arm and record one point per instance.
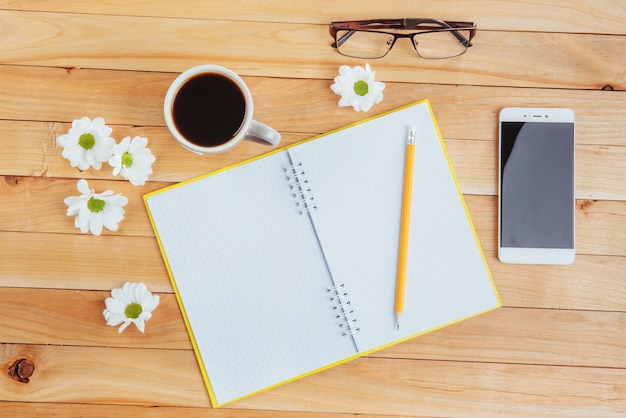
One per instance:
(412, 23)
(353, 25)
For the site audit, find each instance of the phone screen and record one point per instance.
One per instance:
(537, 185)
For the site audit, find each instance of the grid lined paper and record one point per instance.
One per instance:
(252, 275)
(358, 223)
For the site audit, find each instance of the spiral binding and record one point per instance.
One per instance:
(343, 310)
(300, 189)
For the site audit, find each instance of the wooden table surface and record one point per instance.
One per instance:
(556, 347)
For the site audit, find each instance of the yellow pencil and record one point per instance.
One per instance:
(404, 224)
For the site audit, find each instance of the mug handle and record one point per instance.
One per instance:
(263, 134)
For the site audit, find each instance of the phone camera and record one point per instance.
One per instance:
(546, 116)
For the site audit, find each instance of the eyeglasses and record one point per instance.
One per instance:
(431, 38)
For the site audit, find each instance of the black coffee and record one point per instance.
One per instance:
(209, 109)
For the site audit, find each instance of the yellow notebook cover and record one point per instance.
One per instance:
(285, 265)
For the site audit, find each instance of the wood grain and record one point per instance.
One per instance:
(135, 101)
(522, 336)
(554, 349)
(68, 410)
(439, 388)
(45, 316)
(104, 375)
(69, 261)
(418, 387)
(599, 171)
(601, 224)
(49, 39)
(593, 282)
(605, 16)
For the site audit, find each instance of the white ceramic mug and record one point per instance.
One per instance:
(208, 109)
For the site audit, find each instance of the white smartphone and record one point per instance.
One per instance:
(536, 203)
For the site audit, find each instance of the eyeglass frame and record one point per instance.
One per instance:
(374, 25)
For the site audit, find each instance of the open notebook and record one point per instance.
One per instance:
(285, 265)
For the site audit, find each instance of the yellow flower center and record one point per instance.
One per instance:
(361, 88)
(87, 141)
(127, 160)
(133, 310)
(95, 205)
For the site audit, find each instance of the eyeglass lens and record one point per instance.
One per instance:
(436, 44)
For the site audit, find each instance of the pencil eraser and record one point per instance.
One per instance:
(412, 131)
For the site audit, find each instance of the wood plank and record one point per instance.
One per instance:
(69, 410)
(600, 174)
(601, 224)
(453, 389)
(133, 97)
(45, 316)
(68, 261)
(101, 375)
(367, 385)
(37, 205)
(43, 158)
(599, 171)
(132, 103)
(508, 335)
(525, 336)
(521, 15)
(586, 61)
(592, 282)
(102, 263)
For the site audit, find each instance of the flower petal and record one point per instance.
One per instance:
(122, 296)
(115, 305)
(137, 144)
(141, 325)
(124, 325)
(109, 221)
(95, 224)
(152, 303)
(129, 292)
(114, 319)
(83, 187)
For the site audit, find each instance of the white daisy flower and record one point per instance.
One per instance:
(357, 87)
(132, 304)
(87, 143)
(95, 210)
(133, 160)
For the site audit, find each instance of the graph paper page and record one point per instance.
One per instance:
(251, 277)
(253, 253)
(358, 192)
